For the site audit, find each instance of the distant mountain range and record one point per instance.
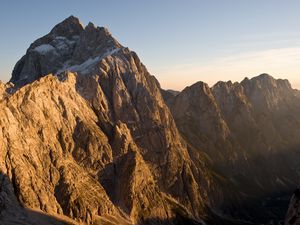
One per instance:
(89, 137)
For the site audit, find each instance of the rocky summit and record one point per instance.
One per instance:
(86, 134)
(89, 137)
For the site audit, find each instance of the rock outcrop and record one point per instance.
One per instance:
(86, 134)
(293, 214)
(169, 96)
(68, 47)
(247, 129)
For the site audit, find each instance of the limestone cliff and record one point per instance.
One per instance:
(247, 129)
(86, 134)
(86, 137)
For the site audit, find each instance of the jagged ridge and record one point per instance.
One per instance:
(97, 145)
(247, 129)
(86, 134)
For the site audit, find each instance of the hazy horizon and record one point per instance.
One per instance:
(179, 43)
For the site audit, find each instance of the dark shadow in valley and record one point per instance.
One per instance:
(178, 220)
(262, 192)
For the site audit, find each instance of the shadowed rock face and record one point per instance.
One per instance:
(68, 46)
(247, 129)
(93, 140)
(293, 214)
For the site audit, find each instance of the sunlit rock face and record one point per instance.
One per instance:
(86, 135)
(87, 138)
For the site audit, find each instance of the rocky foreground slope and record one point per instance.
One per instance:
(86, 134)
(87, 138)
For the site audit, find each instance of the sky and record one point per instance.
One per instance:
(180, 42)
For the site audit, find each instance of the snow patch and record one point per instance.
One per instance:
(44, 49)
(63, 45)
(60, 44)
(110, 52)
(85, 67)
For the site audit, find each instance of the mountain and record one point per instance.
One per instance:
(169, 96)
(68, 47)
(86, 134)
(249, 131)
(89, 137)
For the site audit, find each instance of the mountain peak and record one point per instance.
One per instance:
(90, 26)
(103, 31)
(263, 76)
(69, 27)
(68, 46)
(266, 81)
(199, 85)
(197, 90)
(223, 84)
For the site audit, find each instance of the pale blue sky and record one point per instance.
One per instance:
(180, 42)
